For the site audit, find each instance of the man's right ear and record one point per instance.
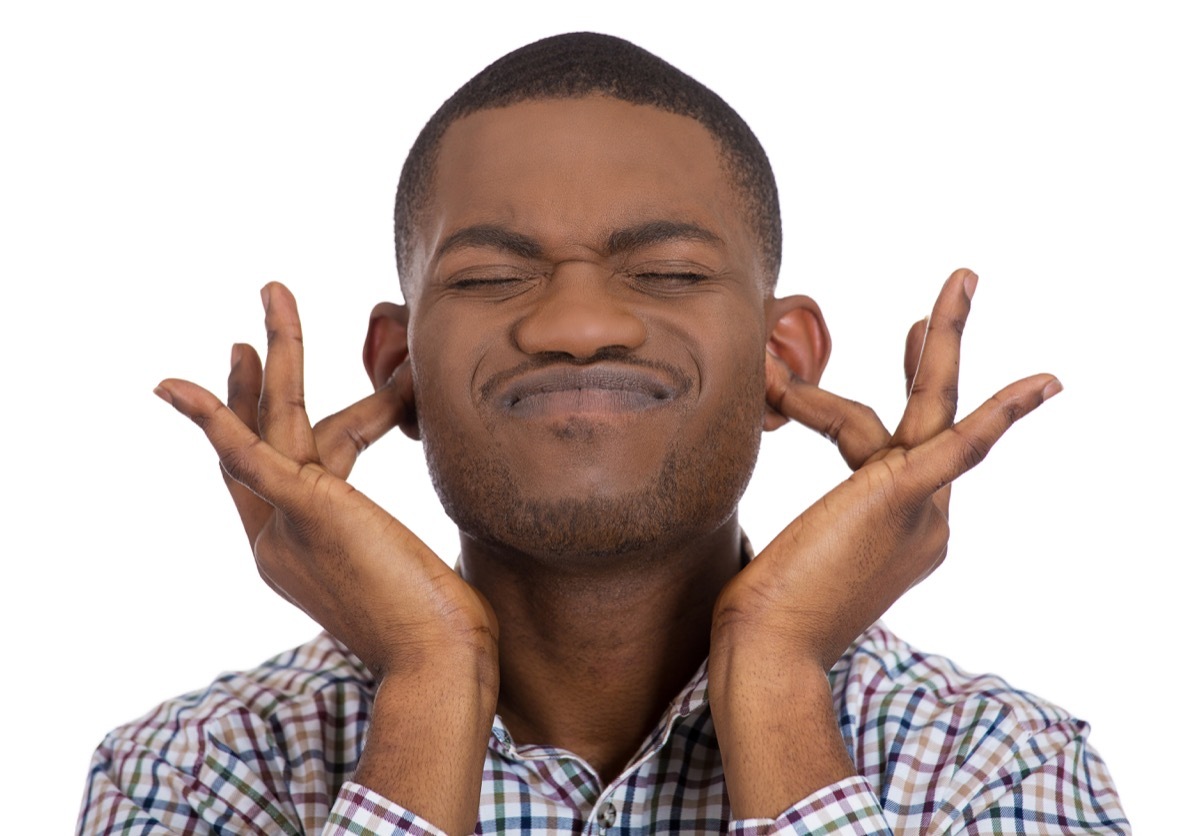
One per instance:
(385, 356)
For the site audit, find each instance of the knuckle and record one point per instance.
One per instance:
(833, 428)
(948, 395)
(1013, 412)
(238, 462)
(971, 451)
(268, 404)
(864, 412)
(1010, 409)
(356, 438)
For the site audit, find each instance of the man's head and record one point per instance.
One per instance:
(588, 311)
(585, 64)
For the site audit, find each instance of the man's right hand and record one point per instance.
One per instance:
(429, 638)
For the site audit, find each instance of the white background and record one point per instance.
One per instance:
(162, 161)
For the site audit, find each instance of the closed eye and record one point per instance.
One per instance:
(469, 282)
(676, 277)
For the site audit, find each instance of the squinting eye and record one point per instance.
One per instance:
(468, 283)
(683, 278)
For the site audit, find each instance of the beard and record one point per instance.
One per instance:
(694, 491)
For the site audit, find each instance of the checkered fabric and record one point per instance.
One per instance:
(272, 751)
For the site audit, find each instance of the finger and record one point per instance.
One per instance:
(961, 447)
(245, 383)
(852, 426)
(344, 435)
(913, 344)
(282, 419)
(266, 472)
(933, 396)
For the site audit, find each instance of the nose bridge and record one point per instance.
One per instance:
(577, 312)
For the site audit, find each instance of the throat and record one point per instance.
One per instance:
(598, 705)
(589, 662)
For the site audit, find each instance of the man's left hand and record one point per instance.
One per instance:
(783, 621)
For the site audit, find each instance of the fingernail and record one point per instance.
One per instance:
(969, 282)
(266, 297)
(1052, 389)
(235, 355)
(162, 392)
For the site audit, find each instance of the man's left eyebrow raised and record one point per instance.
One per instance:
(492, 237)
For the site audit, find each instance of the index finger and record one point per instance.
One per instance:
(341, 437)
(853, 427)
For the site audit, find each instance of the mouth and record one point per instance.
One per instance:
(600, 390)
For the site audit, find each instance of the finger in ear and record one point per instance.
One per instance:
(386, 344)
(385, 357)
(777, 378)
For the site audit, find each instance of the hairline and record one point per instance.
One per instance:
(727, 155)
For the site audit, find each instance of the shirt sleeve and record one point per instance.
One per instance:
(1052, 782)
(131, 791)
(849, 806)
(364, 812)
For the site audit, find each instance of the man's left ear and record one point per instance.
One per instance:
(799, 338)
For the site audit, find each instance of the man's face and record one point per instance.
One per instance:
(587, 329)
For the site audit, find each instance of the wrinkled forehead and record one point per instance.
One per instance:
(570, 171)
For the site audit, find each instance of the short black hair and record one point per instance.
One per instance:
(583, 64)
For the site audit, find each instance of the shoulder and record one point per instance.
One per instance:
(882, 679)
(936, 741)
(293, 678)
(303, 690)
(258, 748)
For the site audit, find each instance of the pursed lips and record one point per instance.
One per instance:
(593, 389)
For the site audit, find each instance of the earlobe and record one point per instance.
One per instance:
(385, 357)
(800, 341)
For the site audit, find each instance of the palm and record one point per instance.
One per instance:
(839, 565)
(317, 541)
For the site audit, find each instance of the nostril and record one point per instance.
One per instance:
(578, 324)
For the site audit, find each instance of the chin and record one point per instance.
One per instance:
(694, 493)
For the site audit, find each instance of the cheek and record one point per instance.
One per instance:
(729, 359)
(445, 361)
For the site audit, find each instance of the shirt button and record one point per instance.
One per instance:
(608, 815)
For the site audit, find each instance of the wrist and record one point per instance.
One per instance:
(428, 736)
(776, 726)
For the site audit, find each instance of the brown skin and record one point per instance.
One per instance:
(591, 345)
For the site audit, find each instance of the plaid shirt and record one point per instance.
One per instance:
(272, 750)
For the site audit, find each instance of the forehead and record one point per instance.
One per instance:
(568, 171)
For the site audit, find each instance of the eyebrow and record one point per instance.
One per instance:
(657, 232)
(491, 236)
(621, 240)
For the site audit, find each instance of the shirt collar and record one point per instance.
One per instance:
(692, 700)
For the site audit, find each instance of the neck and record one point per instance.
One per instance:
(591, 655)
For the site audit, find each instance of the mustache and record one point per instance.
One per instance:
(612, 363)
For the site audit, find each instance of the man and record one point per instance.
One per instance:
(588, 244)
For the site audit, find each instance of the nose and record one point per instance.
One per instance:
(576, 313)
